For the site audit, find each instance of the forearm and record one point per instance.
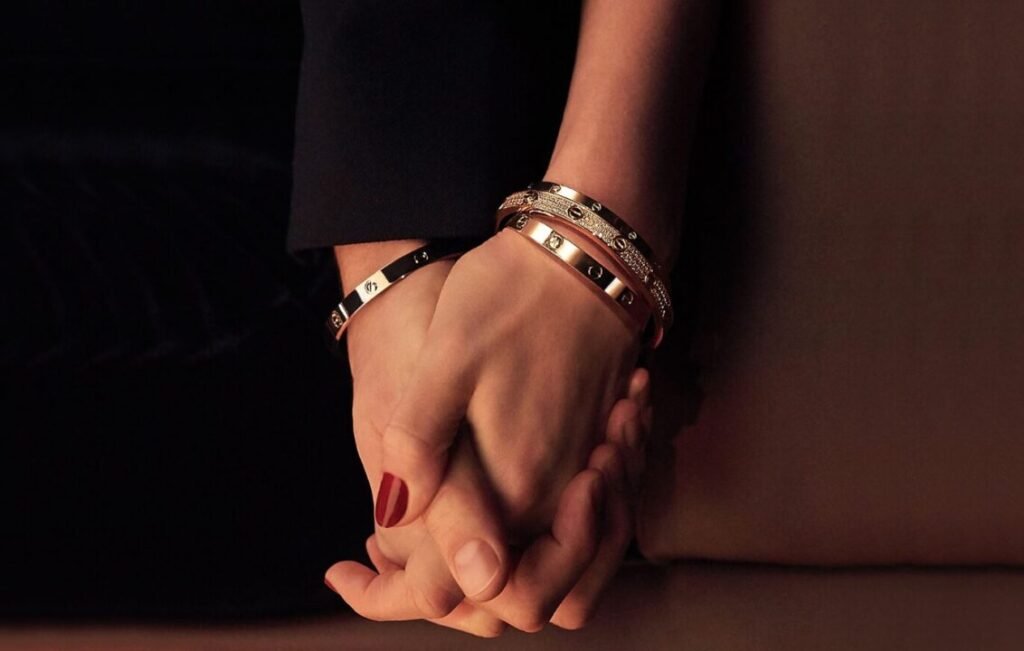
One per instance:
(631, 108)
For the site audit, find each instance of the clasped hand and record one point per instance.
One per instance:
(501, 425)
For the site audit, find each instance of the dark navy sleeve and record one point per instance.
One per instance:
(415, 117)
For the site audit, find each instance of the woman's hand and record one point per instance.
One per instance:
(533, 359)
(582, 551)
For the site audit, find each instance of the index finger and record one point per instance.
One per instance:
(380, 597)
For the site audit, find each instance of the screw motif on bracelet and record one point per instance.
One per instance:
(626, 247)
(590, 270)
(380, 281)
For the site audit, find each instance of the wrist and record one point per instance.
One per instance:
(652, 213)
(401, 314)
(530, 253)
(358, 261)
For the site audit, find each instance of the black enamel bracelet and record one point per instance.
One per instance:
(379, 281)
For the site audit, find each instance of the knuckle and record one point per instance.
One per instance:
(434, 601)
(403, 441)
(531, 619)
(522, 495)
(451, 497)
(448, 512)
(521, 486)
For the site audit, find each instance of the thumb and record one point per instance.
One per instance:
(466, 526)
(414, 445)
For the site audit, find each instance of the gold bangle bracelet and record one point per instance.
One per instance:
(583, 217)
(601, 211)
(593, 272)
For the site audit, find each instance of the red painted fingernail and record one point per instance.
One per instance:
(392, 499)
(328, 584)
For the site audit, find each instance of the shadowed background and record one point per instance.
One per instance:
(176, 439)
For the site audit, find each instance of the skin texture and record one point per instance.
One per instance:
(496, 354)
(569, 556)
(487, 387)
(575, 557)
(630, 115)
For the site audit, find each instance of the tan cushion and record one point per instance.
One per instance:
(856, 293)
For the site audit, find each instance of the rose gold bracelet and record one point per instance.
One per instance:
(597, 276)
(598, 209)
(584, 217)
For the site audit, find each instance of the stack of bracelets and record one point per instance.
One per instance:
(635, 286)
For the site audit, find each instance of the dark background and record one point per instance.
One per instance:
(175, 438)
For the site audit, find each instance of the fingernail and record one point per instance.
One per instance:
(475, 567)
(392, 498)
(631, 432)
(328, 584)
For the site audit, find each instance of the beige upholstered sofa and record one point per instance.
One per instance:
(857, 293)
